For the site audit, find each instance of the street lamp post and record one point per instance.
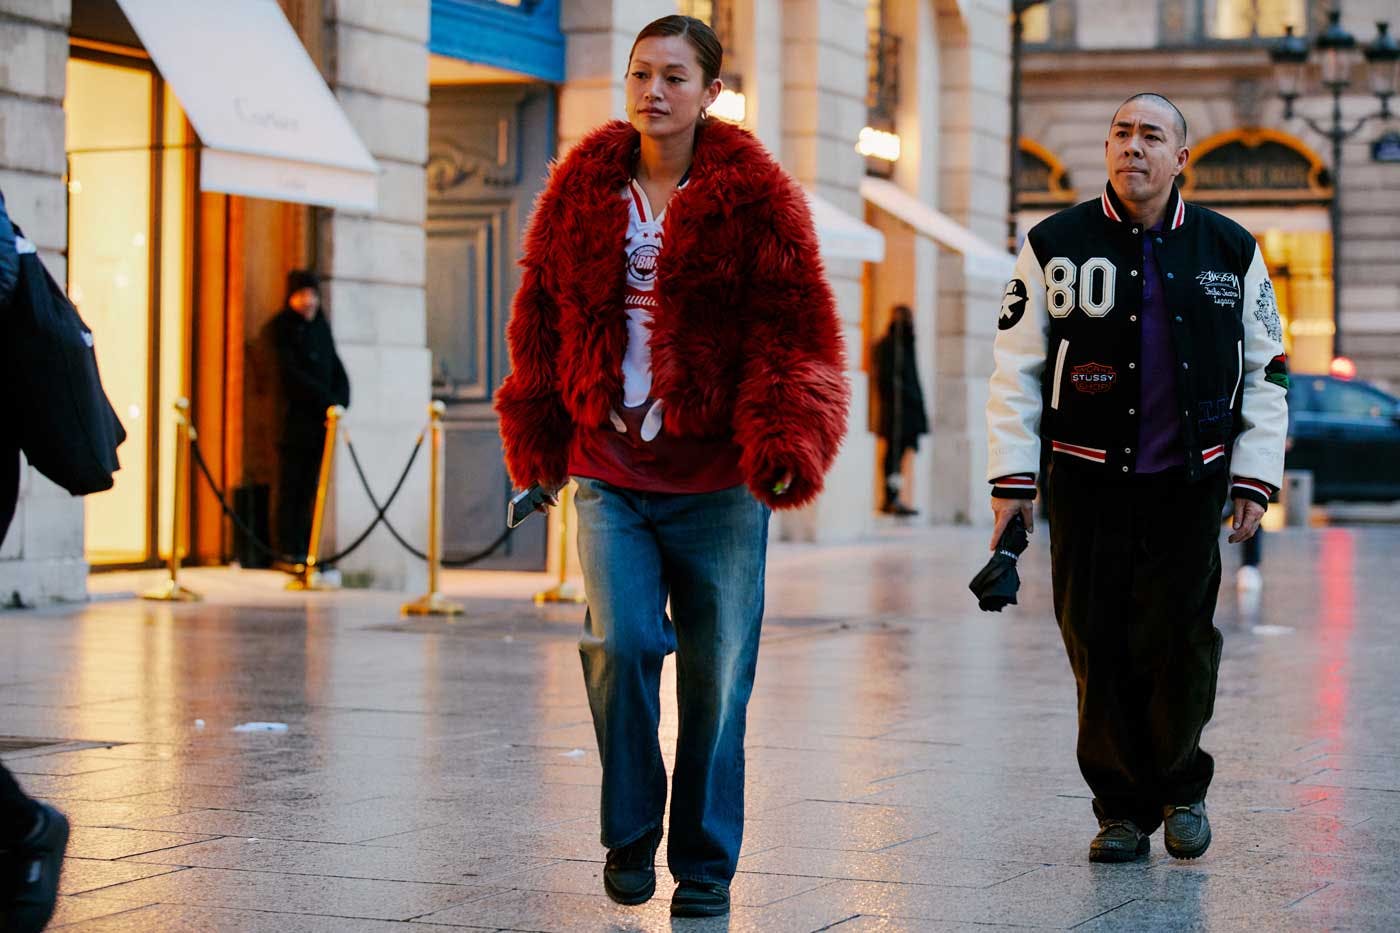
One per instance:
(1337, 49)
(1018, 30)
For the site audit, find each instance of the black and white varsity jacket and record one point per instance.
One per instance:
(1069, 340)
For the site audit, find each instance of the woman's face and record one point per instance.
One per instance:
(666, 87)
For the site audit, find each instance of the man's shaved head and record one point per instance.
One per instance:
(1178, 121)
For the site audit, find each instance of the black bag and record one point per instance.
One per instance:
(67, 428)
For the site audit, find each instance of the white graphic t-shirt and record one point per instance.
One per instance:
(643, 249)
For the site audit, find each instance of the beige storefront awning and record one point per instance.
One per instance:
(983, 259)
(269, 125)
(843, 236)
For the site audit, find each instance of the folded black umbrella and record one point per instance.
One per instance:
(996, 584)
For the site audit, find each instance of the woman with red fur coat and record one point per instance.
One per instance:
(675, 348)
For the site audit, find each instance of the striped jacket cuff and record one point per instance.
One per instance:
(1015, 486)
(1242, 487)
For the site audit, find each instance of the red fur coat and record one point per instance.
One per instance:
(745, 338)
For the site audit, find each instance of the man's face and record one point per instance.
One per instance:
(306, 302)
(1143, 152)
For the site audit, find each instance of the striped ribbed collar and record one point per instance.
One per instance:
(1114, 211)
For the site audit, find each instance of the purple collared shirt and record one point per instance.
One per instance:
(1159, 424)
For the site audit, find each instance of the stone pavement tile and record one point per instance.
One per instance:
(1000, 904)
(1344, 899)
(353, 822)
(864, 924)
(116, 813)
(170, 917)
(578, 877)
(1158, 879)
(81, 908)
(577, 839)
(1149, 916)
(298, 894)
(889, 865)
(822, 824)
(100, 843)
(468, 866)
(577, 913)
(81, 875)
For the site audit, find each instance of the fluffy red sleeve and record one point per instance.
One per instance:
(791, 411)
(535, 428)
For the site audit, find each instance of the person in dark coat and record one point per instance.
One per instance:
(902, 417)
(313, 379)
(33, 835)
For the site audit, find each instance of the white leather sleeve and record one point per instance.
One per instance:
(1014, 402)
(1258, 452)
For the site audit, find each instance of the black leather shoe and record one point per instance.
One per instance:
(1118, 841)
(29, 895)
(1186, 830)
(700, 899)
(630, 874)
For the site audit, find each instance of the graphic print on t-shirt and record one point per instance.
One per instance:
(643, 249)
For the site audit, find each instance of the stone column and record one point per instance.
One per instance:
(42, 555)
(823, 110)
(376, 271)
(974, 72)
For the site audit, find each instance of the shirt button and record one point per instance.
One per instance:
(1127, 450)
(1159, 240)
(1185, 365)
(1135, 230)
(1133, 318)
(1132, 411)
(1178, 319)
(1125, 469)
(1170, 275)
(1132, 366)
(1134, 273)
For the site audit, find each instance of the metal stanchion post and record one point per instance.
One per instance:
(564, 591)
(171, 590)
(433, 603)
(308, 575)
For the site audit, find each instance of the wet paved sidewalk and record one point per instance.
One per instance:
(910, 759)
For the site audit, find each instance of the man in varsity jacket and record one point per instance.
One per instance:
(1139, 350)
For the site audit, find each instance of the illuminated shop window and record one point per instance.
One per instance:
(1253, 19)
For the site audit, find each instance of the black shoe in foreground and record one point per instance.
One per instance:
(630, 874)
(1186, 830)
(28, 899)
(1118, 841)
(700, 899)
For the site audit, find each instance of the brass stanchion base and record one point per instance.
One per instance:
(171, 591)
(306, 579)
(564, 592)
(432, 604)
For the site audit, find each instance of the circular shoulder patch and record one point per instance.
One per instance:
(1013, 305)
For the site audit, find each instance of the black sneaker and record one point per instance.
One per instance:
(1118, 841)
(630, 874)
(1186, 830)
(700, 899)
(34, 867)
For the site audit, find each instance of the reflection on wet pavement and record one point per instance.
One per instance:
(910, 759)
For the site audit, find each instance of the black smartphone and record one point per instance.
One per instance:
(525, 503)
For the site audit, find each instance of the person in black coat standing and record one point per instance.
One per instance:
(33, 835)
(313, 379)
(902, 417)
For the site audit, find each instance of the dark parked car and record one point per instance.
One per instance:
(1347, 433)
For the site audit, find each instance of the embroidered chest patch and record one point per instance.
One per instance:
(1223, 288)
(1093, 378)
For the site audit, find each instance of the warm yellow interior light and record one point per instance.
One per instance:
(878, 144)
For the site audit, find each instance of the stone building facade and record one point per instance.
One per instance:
(1272, 174)
(460, 104)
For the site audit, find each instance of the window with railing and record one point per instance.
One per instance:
(717, 14)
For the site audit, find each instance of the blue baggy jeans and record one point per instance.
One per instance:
(707, 552)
